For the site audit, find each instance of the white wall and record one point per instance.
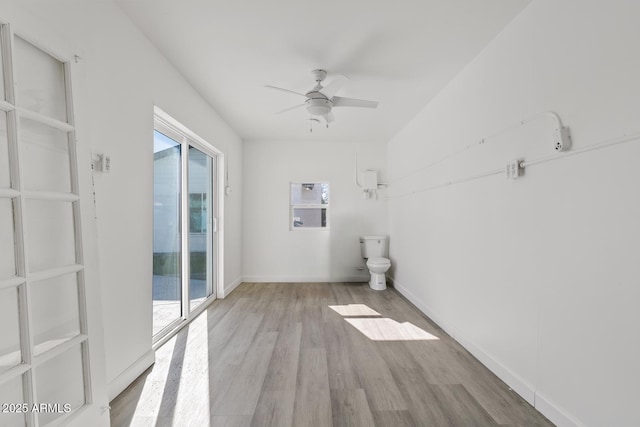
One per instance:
(271, 251)
(538, 277)
(126, 76)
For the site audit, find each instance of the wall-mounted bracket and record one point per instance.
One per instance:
(101, 163)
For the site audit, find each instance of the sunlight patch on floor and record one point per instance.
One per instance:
(389, 330)
(380, 328)
(181, 370)
(151, 395)
(351, 310)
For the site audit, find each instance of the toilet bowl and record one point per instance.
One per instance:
(374, 251)
(378, 266)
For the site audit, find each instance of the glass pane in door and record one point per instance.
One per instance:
(11, 392)
(2, 62)
(51, 234)
(167, 287)
(10, 354)
(7, 251)
(55, 318)
(5, 180)
(45, 152)
(59, 382)
(40, 81)
(200, 226)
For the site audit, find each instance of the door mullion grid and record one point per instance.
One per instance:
(26, 315)
(5, 36)
(29, 379)
(22, 264)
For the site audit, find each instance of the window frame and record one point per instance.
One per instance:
(293, 206)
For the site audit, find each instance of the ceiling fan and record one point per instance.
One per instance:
(321, 99)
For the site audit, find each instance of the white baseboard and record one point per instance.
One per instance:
(547, 408)
(230, 287)
(448, 328)
(304, 279)
(555, 414)
(517, 384)
(123, 380)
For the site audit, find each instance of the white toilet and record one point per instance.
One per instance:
(374, 250)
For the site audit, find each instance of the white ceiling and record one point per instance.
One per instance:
(400, 53)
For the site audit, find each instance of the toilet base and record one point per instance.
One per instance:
(378, 282)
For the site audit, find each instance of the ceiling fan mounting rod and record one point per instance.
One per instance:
(319, 75)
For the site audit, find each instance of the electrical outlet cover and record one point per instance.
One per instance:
(513, 169)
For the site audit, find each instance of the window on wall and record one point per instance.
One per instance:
(309, 205)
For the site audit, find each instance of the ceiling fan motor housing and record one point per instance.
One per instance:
(318, 106)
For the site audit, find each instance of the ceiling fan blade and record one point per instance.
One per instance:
(285, 90)
(339, 101)
(332, 88)
(329, 117)
(288, 109)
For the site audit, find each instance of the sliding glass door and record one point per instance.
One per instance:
(201, 173)
(184, 229)
(167, 252)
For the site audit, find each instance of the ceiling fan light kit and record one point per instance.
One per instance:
(321, 99)
(318, 106)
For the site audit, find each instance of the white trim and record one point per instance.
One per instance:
(23, 113)
(55, 272)
(555, 414)
(168, 331)
(227, 289)
(517, 384)
(218, 245)
(7, 193)
(195, 140)
(6, 106)
(51, 196)
(304, 279)
(520, 386)
(527, 391)
(13, 372)
(185, 254)
(13, 282)
(425, 309)
(58, 349)
(129, 375)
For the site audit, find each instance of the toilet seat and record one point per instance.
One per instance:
(379, 262)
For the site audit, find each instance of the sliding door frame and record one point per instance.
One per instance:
(186, 138)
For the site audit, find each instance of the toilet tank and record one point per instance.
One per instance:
(374, 246)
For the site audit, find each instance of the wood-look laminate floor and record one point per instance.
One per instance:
(277, 355)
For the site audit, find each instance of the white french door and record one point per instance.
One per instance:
(45, 375)
(185, 245)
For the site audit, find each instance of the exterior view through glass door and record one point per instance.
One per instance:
(184, 227)
(167, 288)
(201, 224)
